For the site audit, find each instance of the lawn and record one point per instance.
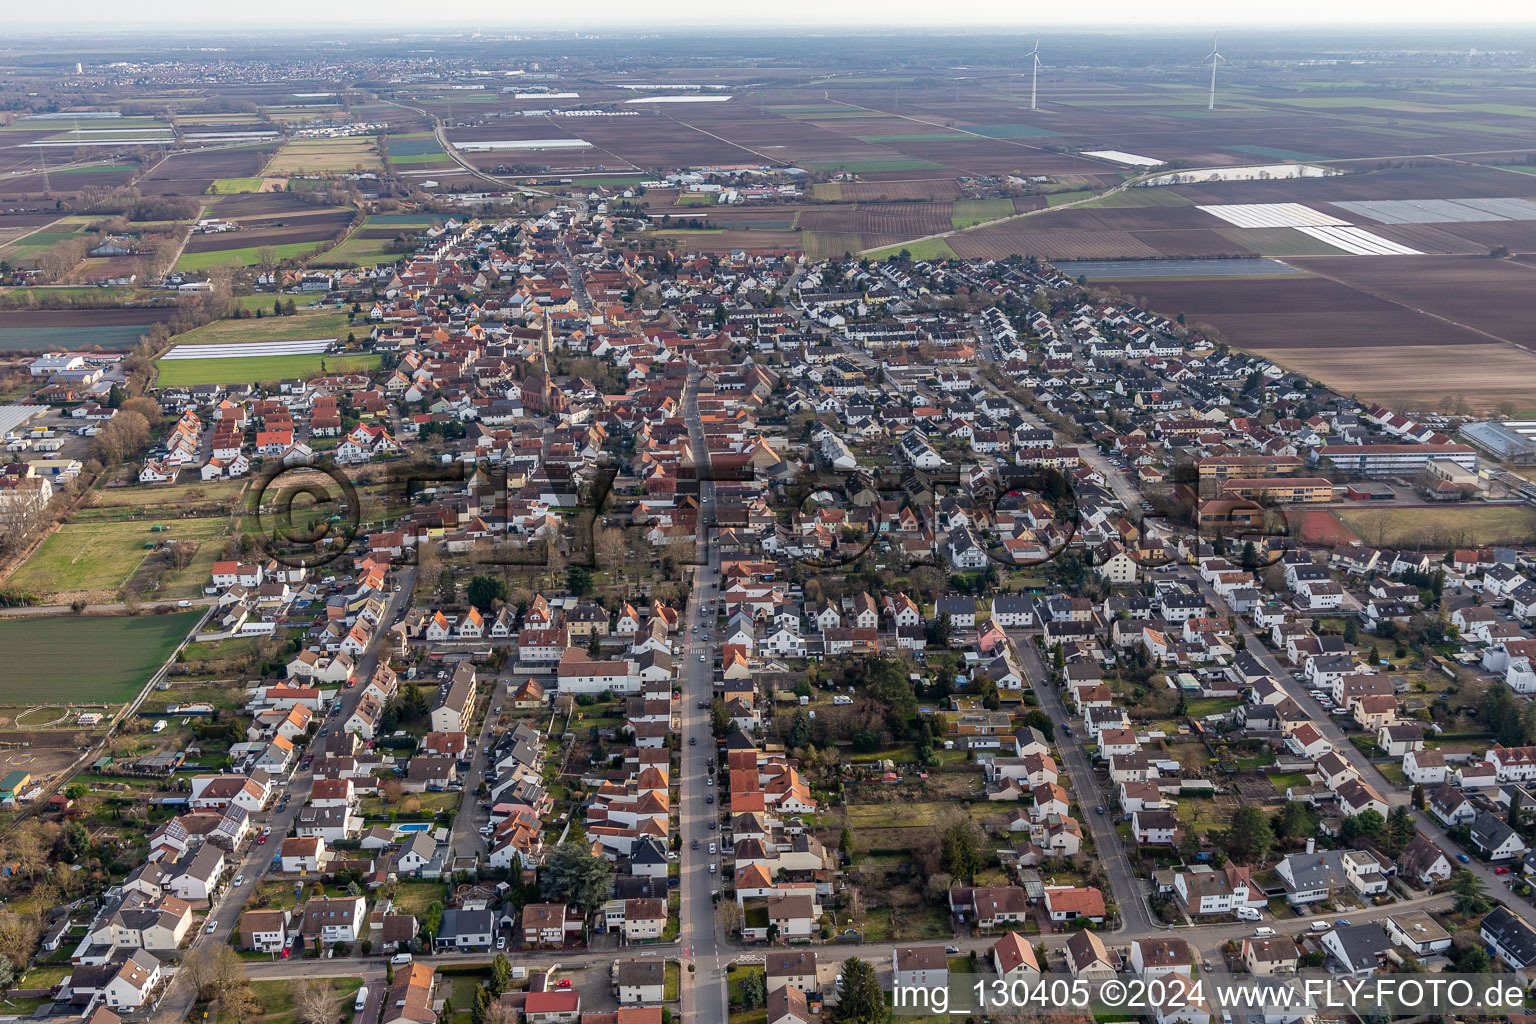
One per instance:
(187, 372)
(1285, 780)
(303, 325)
(735, 978)
(1443, 526)
(110, 657)
(1200, 707)
(277, 998)
(977, 211)
(416, 897)
(323, 156)
(173, 496)
(246, 257)
(105, 555)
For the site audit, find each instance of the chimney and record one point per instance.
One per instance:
(1311, 845)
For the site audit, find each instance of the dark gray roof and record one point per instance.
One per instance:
(1515, 938)
(1363, 944)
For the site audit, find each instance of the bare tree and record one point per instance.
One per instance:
(239, 1005)
(729, 916)
(314, 1002)
(18, 936)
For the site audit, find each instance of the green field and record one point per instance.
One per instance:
(47, 339)
(188, 372)
(358, 252)
(914, 137)
(108, 657)
(976, 211)
(928, 249)
(1058, 198)
(414, 144)
(403, 220)
(303, 325)
(226, 186)
(1008, 131)
(1130, 197)
(98, 169)
(424, 158)
(246, 257)
(104, 556)
(872, 166)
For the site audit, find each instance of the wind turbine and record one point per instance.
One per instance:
(1214, 56)
(1034, 80)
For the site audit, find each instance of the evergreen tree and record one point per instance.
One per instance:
(1249, 838)
(1470, 896)
(1401, 828)
(960, 850)
(860, 999)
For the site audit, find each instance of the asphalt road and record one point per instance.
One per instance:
(704, 994)
(1129, 893)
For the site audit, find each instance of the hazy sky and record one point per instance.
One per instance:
(801, 15)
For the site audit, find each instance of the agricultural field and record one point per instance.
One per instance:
(189, 372)
(305, 324)
(416, 149)
(1356, 342)
(245, 257)
(95, 561)
(110, 657)
(193, 173)
(108, 329)
(324, 156)
(1444, 526)
(976, 211)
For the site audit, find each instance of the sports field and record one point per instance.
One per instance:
(188, 372)
(1444, 526)
(100, 558)
(85, 659)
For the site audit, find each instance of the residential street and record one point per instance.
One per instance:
(704, 994)
(257, 859)
(1128, 893)
(1328, 726)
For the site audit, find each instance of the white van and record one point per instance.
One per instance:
(361, 1002)
(1263, 933)
(1248, 914)
(400, 958)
